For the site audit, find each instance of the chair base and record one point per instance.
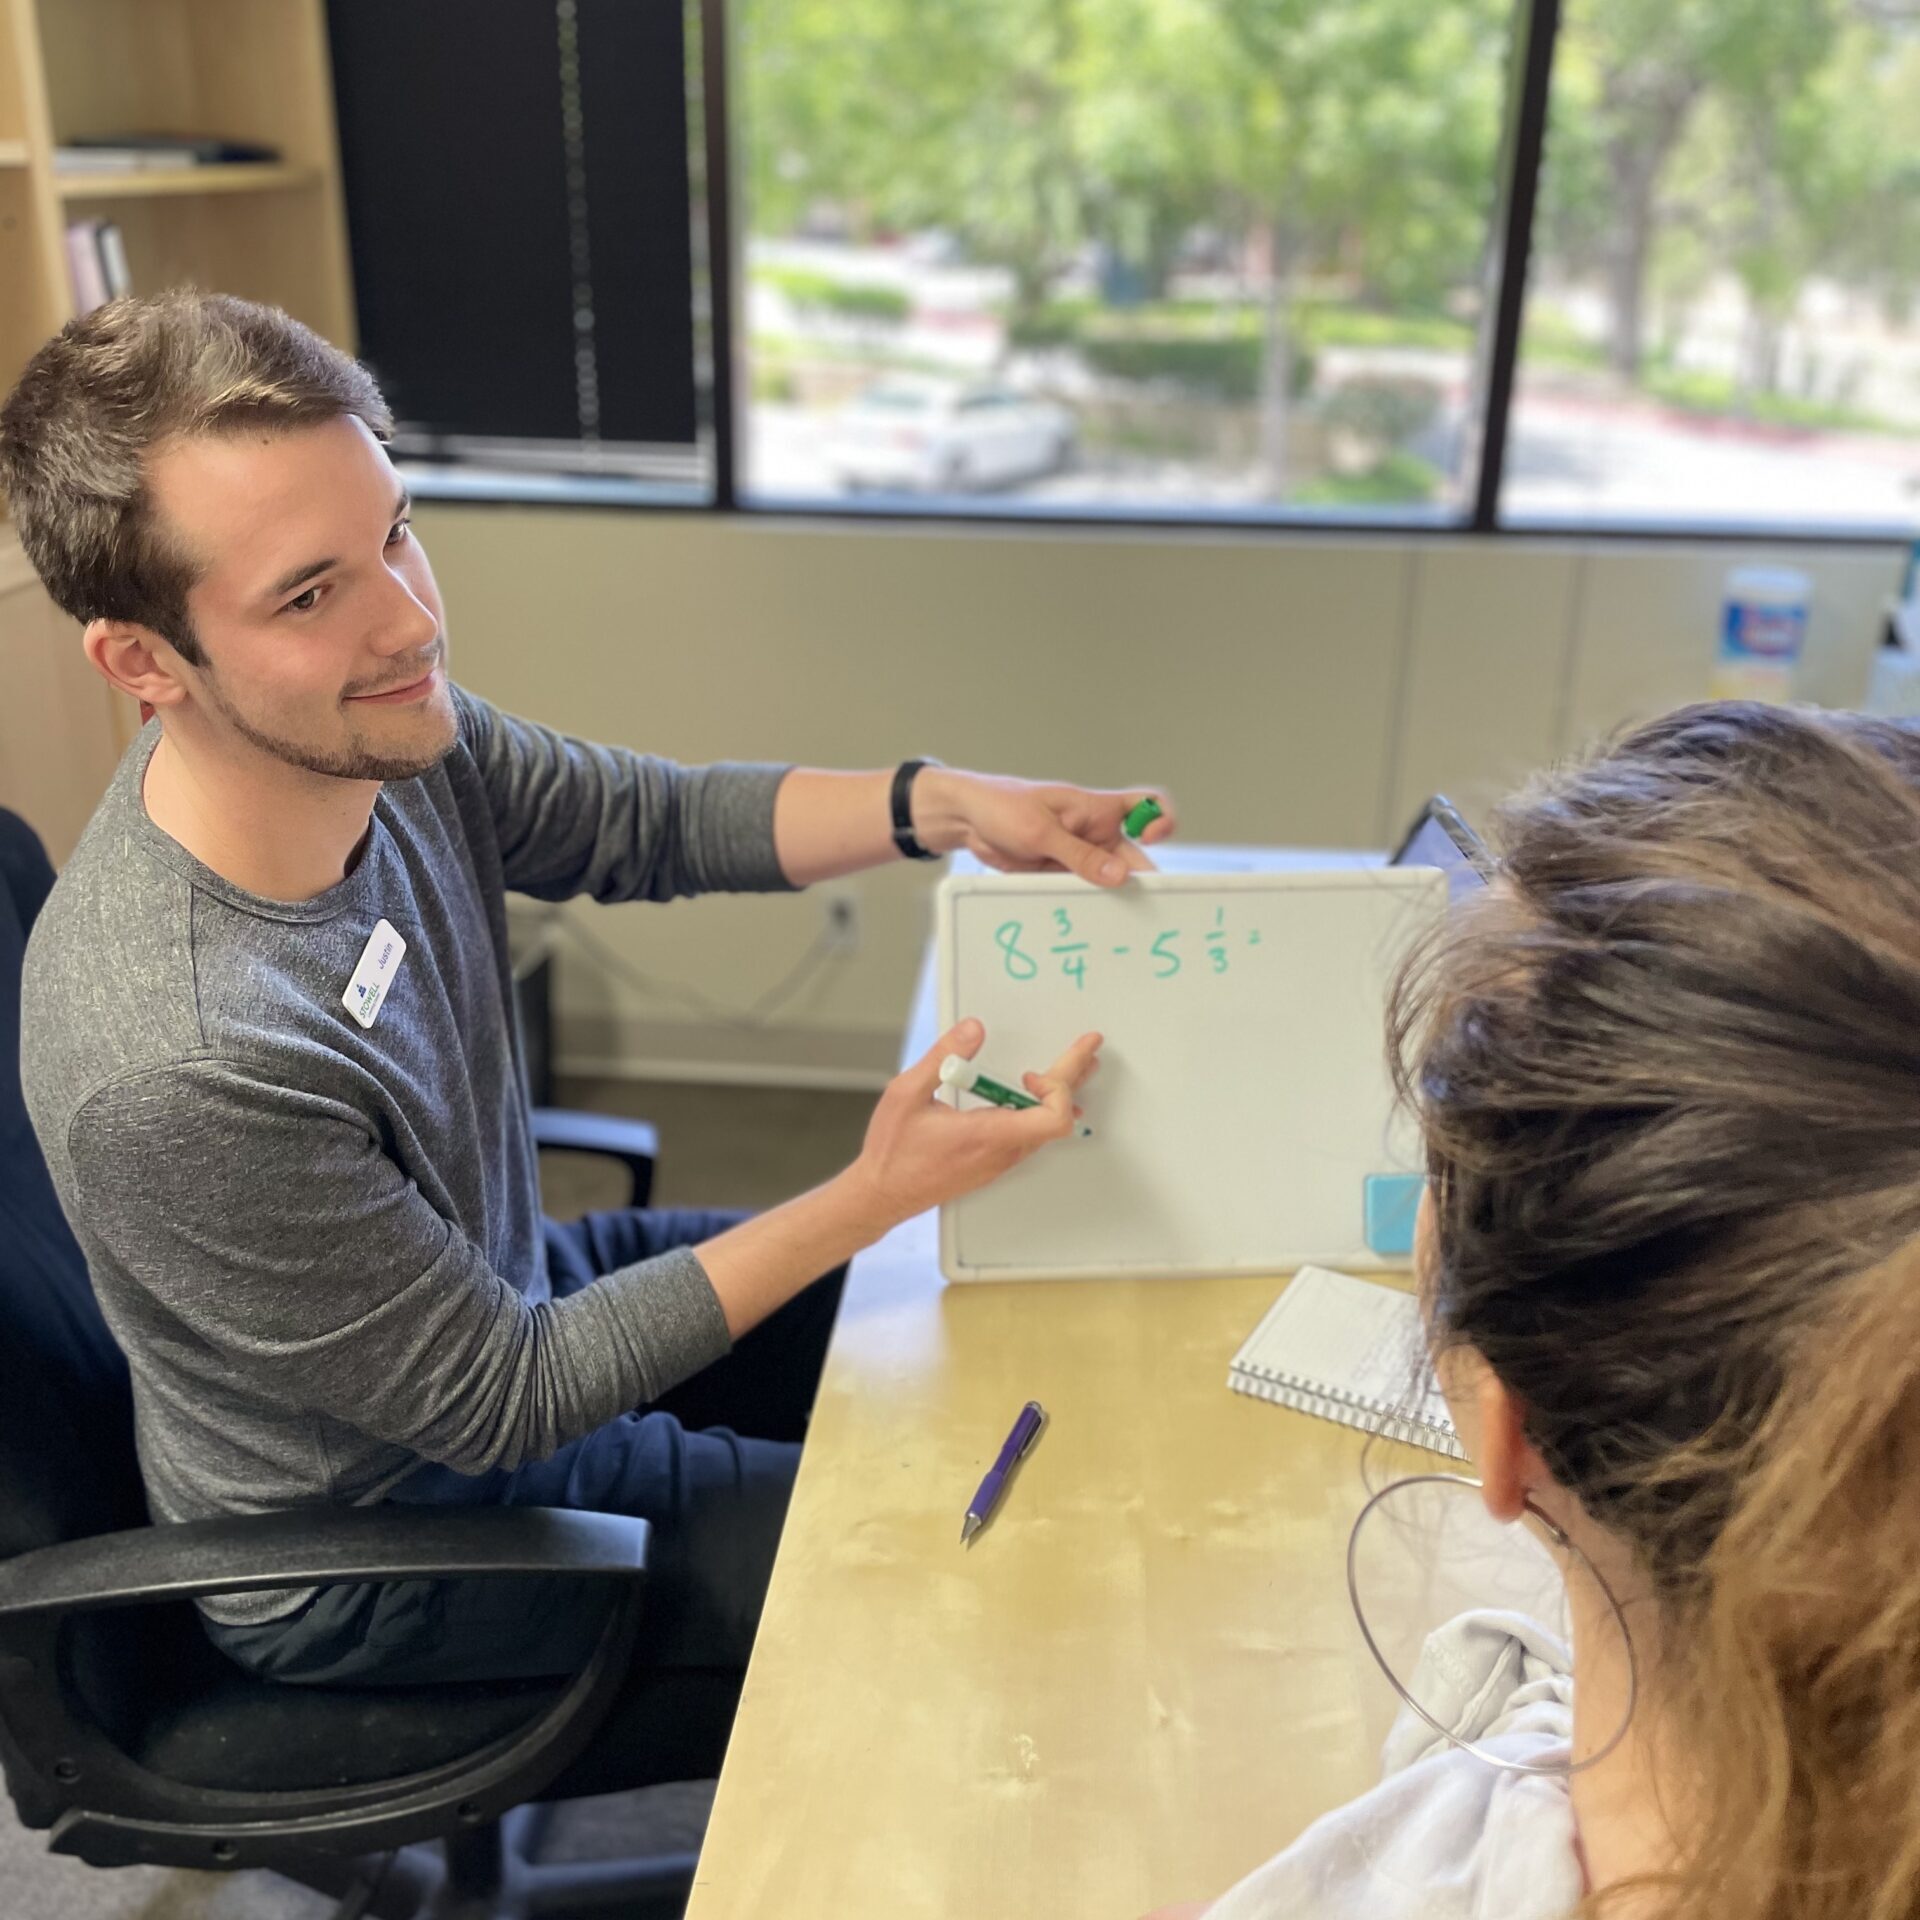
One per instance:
(490, 1873)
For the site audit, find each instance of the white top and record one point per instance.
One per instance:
(1445, 1836)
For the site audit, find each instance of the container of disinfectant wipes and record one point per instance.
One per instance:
(1763, 627)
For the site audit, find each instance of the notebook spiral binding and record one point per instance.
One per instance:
(1366, 1416)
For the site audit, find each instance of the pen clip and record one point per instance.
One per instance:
(1039, 1414)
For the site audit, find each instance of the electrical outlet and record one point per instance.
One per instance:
(843, 923)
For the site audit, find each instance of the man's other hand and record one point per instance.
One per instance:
(920, 1153)
(1032, 826)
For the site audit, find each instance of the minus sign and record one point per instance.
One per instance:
(1123, 949)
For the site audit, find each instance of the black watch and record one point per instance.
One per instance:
(903, 836)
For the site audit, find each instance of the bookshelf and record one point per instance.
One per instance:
(253, 70)
(186, 180)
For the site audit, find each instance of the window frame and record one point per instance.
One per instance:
(1523, 145)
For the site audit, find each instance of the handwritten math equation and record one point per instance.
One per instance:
(1025, 955)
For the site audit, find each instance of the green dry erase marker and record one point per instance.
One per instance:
(964, 1077)
(1141, 816)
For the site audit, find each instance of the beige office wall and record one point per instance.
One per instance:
(1489, 655)
(1283, 688)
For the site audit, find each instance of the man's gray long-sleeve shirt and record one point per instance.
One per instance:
(320, 1243)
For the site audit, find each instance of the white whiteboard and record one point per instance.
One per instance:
(1243, 1096)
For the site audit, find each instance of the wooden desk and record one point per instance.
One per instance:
(1141, 1680)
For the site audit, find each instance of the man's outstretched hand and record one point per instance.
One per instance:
(1036, 826)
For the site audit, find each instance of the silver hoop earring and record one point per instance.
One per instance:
(1560, 1540)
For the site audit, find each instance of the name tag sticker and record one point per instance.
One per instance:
(379, 962)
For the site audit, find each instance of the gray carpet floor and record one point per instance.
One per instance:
(719, 1146)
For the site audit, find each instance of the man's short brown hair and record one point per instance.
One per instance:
(77, 430)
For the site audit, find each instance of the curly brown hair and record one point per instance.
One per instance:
(110, 386)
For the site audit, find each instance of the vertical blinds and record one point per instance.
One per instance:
(518, 205)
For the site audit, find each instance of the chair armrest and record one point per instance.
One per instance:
(635, 1143)
(317, 1547)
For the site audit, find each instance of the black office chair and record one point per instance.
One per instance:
(127, 1736)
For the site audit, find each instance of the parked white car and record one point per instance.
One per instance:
(942, 436)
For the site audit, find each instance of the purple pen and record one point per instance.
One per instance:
(1026, 1430)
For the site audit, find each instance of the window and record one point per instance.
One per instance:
(1721, 322)
(1597, 264)
(518, 197)
(1215, 256)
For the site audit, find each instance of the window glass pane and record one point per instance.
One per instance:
(1720, 319)
(1219, 256)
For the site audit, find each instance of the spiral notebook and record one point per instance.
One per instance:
(1347, 1350)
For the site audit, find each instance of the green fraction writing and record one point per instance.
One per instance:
(1062, 944)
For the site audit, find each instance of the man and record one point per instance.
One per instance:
(268, 1047)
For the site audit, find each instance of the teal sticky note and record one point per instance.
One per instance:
(1392, 1200)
